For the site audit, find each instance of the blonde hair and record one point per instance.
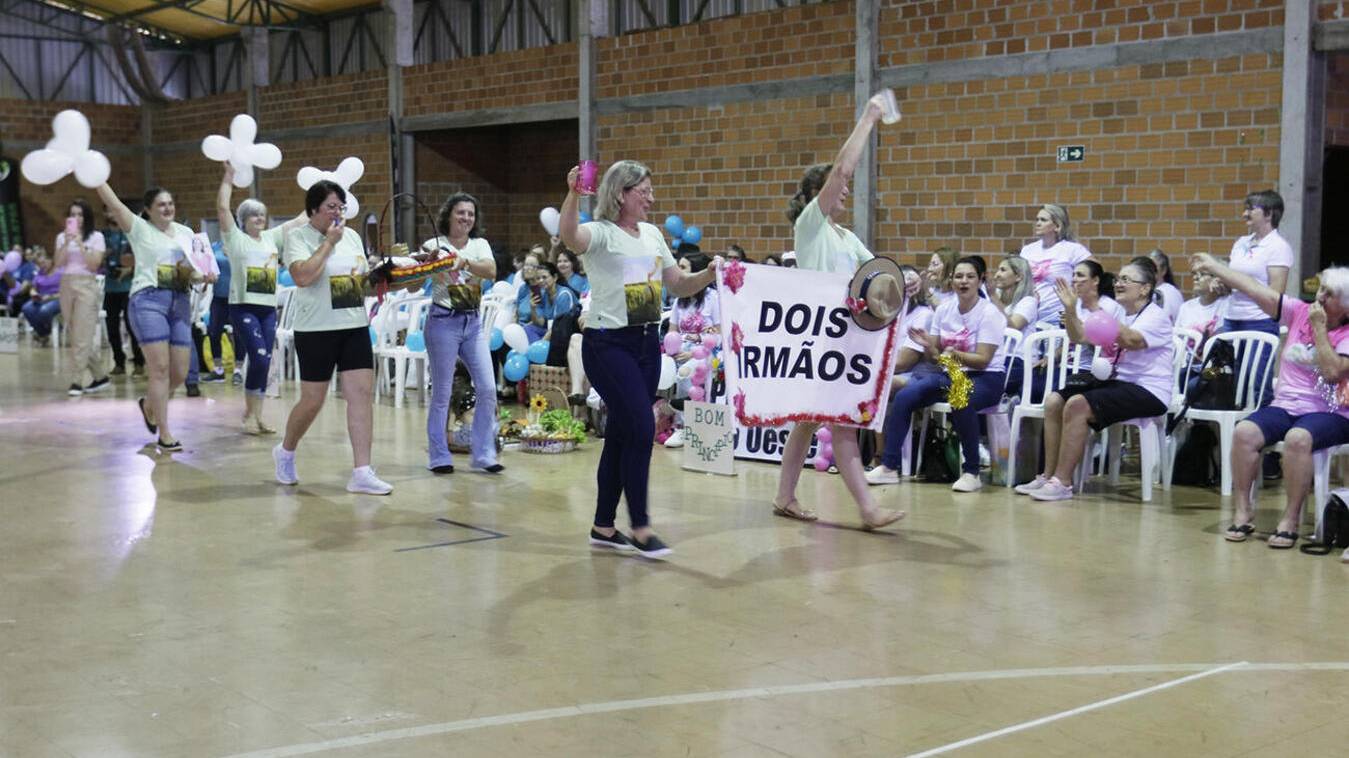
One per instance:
(622, 176)
(1059, 215)
(1023, 288)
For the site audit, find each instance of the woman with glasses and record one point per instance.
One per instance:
(327, 261)
(629, 265)
(1139, 385)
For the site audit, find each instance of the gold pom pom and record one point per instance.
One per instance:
(959, 395)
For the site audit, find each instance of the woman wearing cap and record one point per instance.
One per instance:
(969, 330)
(629, 265)
(822, 244)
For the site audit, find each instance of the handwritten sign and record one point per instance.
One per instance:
(709, 438)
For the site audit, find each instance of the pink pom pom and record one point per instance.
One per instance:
(1101, 330)
(821, 463)
(700, 352)
(672, 343)
(710, 341)
(826, 450)
(696, 394)
(825, 435)
(699, 372)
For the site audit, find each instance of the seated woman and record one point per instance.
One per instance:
(969, 329)
(44, 300)
(691, 318)
(937, 275)
(1014, 292)
(571, 273)
(543, 300)
(917, 316)
(1306, 413)
(1204, 312)
(1139, 385)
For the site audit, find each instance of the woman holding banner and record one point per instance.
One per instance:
(822, 244)
(628, 264)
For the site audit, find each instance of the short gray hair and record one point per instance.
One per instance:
(622, 176)
(247, 209)
(1336, 281)
(1059, 215)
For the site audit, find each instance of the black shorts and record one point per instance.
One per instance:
(343, 349)
(1113, 401)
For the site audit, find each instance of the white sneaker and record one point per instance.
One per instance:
(363, 481)
(882, 475)
(285, 465)
(1344, 557)
(676, 439)
(1053, 490)
(968, 483)
(985, 457)
(1039, 481)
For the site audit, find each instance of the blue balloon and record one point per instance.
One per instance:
(206, 319)
(585, 217)
(675, 226)
(416, 342)
(516, 368)
(537, 352)
(374, 336)
(692, 234)
(497, 339)
(513, 353)
(284, 278)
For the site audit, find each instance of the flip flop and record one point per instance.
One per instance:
(1285, 540)
(871, 526)
(1239, 532)
(145, 416)
(800, 514)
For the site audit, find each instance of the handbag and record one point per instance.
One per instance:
(941, 456)
(1334, 526)
(1216, 389)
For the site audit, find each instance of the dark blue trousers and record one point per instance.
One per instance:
(623, 366)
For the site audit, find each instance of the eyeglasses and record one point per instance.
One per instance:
(1128, 280)
(643, 191)
(330, 207)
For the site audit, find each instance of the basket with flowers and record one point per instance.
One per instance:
(556, 431)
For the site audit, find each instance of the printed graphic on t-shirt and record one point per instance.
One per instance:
(168, 277)
(347, 290)
(464, 291)
(642, 288)
(262, 279)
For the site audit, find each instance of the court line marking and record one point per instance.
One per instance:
(1073, 711)
(481, 530)
(613, 706)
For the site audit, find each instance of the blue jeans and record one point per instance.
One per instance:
(452, 335)
(40, 315)
(1266, 325)
(254, 335)
(159, 315)
(624, 367)
(220, 315)
(926, 389)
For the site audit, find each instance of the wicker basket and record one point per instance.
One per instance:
(546, 445)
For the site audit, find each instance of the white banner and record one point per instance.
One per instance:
(709, 438)
(795, 353)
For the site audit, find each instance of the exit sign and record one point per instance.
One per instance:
(1072, 153)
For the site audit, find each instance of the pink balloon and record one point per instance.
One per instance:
(821, 463)
(710, 341)
(699, 372)
(672, 343)
(700, 352)
(1101, 329)
(824, 434)
(826, 450)
(13, 259)
(696, 393)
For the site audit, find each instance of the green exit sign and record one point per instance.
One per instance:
(1072, 153)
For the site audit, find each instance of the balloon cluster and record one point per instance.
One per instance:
(347, 173)
(551, 219)
(522, 352)
(67, 151)
(240, 150)
(824, 449)
(678, 232)
(697, 369)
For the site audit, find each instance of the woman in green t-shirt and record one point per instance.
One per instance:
(160, 305)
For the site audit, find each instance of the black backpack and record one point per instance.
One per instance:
(1216, 389)
(941, 456)
(1334, 527)
(1197, 463)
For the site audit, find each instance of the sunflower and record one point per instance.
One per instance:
(538, 403)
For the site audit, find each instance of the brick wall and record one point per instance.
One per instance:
(1337, 99)
(504, 80)
(115, 130)
(1332, 10)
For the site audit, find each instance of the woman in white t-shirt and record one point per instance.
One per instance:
(823, 244)
(937, 276)
(1052, 256)
(1265, 256)
(628, 265)
(78, 254)
(969, 329)
(332, 331)
(1139, 385)
(1014, 292)
(160, 305)
(454, 332)
(254, 252)
(1169, 295)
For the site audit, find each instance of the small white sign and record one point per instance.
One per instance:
(9, 335)
(709, 438)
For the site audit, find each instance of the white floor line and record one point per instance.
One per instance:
(1075, 711)
(507, 719)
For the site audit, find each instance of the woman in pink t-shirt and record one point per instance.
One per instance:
(1139, 385)
(1306, 413)
(78, 255)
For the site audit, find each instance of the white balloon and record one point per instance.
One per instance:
(550, 218)
(307, 176)
(243, 129)
(217, 148)
(1101, 368)
(243, 174)
(685, 370)
(265, 155)
(46, 166)
(667, 373)
(92, 169)
(501, 289)
(348, 172)
(353, 206)
(515, 336)
(72, 133)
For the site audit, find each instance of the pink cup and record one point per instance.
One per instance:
(588, 182)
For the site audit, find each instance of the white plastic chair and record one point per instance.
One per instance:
(1185, 343)
(283, 351)
(402, 356)
(1061, 359)
(1251, 379)
(1011, 347)
(1321, 460)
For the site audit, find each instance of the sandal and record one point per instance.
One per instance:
(1283, 540)
(145, 416)
(888, 518)
(797, 512)
(1239, 532)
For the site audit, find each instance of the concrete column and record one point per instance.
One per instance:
(147, 145)
(257, 73)
(865, 84)
(1296, 131)
(592, 23)
(399, 53)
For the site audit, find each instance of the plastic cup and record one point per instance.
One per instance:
(889, 106)
(588, 181)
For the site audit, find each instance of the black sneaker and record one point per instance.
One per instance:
(615, 541)
(653, 548)
(213, 377)
(193, 390)
(99, 384)
(75, 390)
(169, 447)
(495, 468)
(445, 469)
